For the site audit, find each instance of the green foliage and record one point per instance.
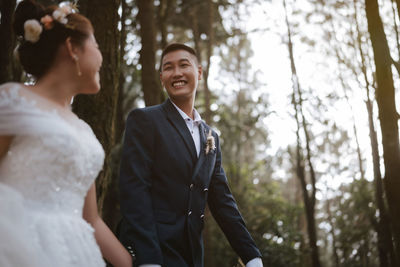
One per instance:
(271, 220)
(354, 214)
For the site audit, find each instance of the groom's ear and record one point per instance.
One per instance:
(162, 84)
(200, 71)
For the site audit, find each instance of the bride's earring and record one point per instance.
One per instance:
(78, 68)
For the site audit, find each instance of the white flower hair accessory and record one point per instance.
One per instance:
(32, 30)
(61, 13)
(210, 143)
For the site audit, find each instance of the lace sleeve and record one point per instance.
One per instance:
(20, 114)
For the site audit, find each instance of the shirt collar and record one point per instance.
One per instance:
(197, 117)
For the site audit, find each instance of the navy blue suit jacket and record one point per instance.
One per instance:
(164, 188)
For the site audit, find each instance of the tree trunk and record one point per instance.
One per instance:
(395, 27)
(164, 10)
(150, 78)
(208, 249)
(310, 204)
(7, 40)
(345, 88)
(332, 232)
(100, 110)
(120, 119)
(209, 50)
(385, 245)
(309, 200)
(383, 229)
(388, 116)
(194, 24)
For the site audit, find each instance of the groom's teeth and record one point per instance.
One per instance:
(178, 83)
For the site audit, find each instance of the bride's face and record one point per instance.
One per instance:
(90, 60)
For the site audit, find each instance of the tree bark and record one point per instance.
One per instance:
(345, 88)
(309, 199)
(209, 50)
(194, 23)
(100, 110)
(385, 96)
(383, 229)
(164, 10)
(150, 78)
(7, 40)
(208, 251)
(120, 119)
(395, 27)
(332, 232)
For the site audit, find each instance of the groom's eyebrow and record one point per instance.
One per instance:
(179, 61)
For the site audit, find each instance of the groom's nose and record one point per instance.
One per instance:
(177, 72)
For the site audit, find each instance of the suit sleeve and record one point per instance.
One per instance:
(225, 211)
(140, 233)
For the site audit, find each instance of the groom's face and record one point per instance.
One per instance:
(180, 75)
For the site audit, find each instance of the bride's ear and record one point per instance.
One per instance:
(72, 49)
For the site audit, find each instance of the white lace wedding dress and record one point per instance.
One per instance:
(44, 177)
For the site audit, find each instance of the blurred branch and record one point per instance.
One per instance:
(397, 65)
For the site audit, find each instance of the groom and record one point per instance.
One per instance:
(171, 167)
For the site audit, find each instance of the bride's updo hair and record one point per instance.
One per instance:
(37, 53)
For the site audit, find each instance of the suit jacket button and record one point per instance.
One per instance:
(201, 216)
(190, 212)
(205, 189)
(191, 186)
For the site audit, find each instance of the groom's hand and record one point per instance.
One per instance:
(256, 262)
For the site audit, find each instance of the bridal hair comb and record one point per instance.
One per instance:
(33, 28)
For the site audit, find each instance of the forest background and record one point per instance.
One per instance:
(302, 94)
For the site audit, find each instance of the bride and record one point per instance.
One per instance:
(49, 158)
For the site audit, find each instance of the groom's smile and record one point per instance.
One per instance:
(179, 84)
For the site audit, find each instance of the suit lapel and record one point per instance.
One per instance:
(180, 125)
(202, 129)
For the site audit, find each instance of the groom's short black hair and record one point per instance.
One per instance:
(174, 47)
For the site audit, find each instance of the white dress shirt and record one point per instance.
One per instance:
(193, 126)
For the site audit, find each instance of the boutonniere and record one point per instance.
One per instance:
(210, 144)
